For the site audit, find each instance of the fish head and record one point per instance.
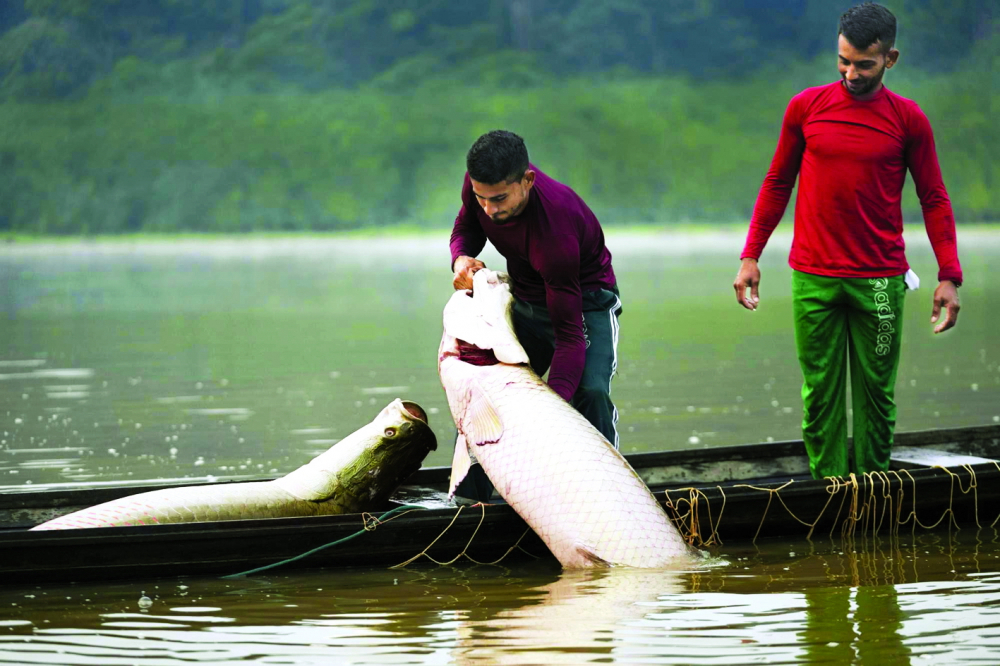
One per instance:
(398, 439)
(365, 467)
(401, 431)
(482, 318)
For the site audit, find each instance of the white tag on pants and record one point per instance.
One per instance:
(911, 280)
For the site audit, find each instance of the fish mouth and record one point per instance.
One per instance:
(473, 355)
(466, 352)
(478, 328)
(414, 410)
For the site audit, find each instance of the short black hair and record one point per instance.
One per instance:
(497, 156)
(867, 23)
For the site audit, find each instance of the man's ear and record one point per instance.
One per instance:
(891, 57)
(528, 179)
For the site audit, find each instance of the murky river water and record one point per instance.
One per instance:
(212, 360)
(932, 598)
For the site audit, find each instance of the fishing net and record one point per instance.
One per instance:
(868, 504)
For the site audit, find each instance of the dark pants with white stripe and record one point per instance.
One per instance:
(593, 397)
(600, 330)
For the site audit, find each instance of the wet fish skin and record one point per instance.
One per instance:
(574, 489)
(357, 473)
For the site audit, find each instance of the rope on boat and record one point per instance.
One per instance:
(871, 506)
(464, 553)
(370, 523)
(689, 522)
(864, 509)
(949, 512)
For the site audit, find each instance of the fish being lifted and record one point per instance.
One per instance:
(358, 473)
(545, 459)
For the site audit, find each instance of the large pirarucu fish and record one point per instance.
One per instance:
(358, 473)
(545, 459)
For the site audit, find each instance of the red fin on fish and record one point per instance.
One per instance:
(482, 424)
(460, 464)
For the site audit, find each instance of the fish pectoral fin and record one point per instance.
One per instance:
(460, 464)
(482, 424)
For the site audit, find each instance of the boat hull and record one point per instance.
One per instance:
(716, 497)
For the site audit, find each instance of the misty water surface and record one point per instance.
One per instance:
(928, 598)
(125, 360)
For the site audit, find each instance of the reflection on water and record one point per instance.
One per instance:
(578, 614)
(911, 599)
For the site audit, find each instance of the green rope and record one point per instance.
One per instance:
(319, 548)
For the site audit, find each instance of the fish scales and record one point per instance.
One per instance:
(238, 501)
(574, 489)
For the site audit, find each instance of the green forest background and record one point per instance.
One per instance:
(125, 116)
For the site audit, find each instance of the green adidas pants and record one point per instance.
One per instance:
(840, 322)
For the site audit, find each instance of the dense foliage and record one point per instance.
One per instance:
(237, 115)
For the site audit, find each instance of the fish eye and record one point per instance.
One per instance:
(390, 432)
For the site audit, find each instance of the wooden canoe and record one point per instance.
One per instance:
(939, 479)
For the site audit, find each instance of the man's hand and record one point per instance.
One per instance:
(465, 268)
(748, 277)
(945, 296)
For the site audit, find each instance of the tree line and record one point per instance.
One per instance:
(242, 115)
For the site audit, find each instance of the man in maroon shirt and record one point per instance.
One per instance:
(850, 143)
(566, 303)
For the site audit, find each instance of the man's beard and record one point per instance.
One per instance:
(510, 215)
(871, 85)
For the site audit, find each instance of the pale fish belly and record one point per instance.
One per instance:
(238, 501)
(558, 472)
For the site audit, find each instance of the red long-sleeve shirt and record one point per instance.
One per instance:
(555, 250)
(851, 158)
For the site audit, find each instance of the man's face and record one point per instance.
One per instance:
(503, 200)
(862, 71)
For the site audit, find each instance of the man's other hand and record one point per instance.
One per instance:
(747, 278)
(465, 268)
(945, 296)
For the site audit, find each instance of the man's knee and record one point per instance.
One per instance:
(591, 394)
(594, 403)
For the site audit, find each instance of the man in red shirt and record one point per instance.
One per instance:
(850, 143)
(566, 302)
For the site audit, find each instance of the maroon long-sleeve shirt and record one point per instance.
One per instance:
(555, 250)
(851, 157)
